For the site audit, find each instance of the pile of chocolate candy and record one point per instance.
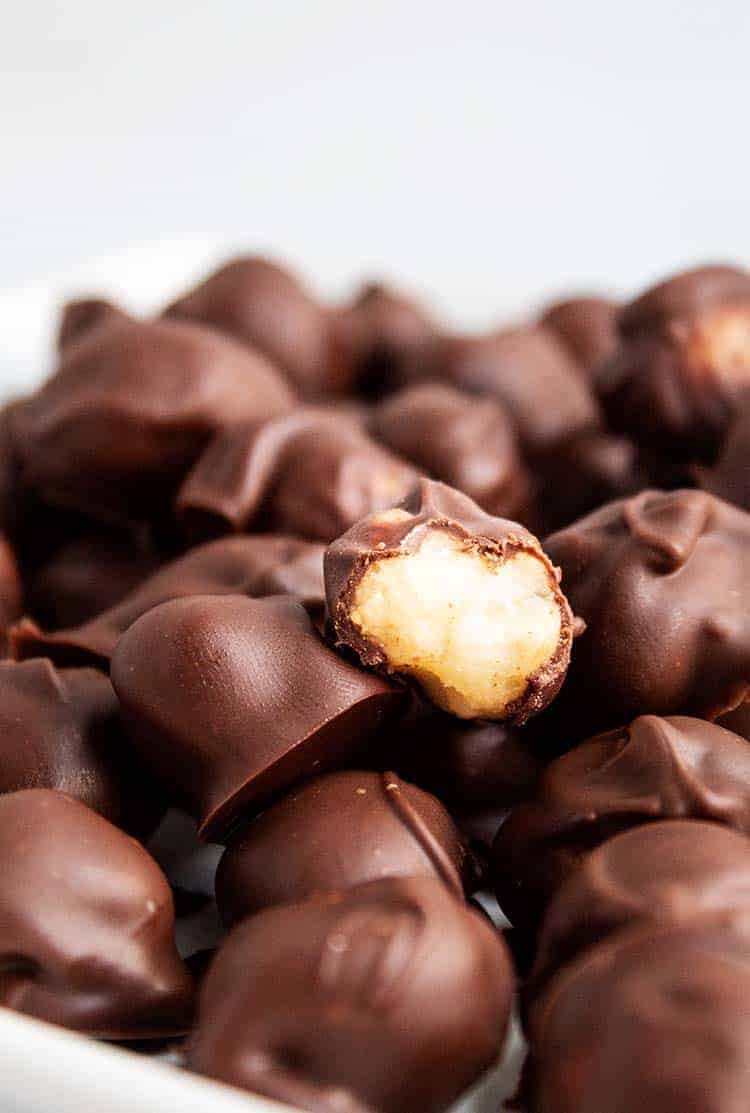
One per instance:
(276, 564)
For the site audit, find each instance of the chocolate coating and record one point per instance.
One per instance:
(683, 361)
(382, 340)
(680, 871)
(652, 1020)
(464, 441)
(313, 472)
(729, 478)
(86, 923)
(390, 997)
(587, 326)
(657, 579)
(268, 309)
(81, 316)
(86, 576)
(530, 371)
(129, 409)
(10, 591)
(433, 508)
(340, 830)
(259, 565)
(61, 729)
(234, 700)
(654, 769)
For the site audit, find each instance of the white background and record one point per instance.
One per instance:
(484, 153)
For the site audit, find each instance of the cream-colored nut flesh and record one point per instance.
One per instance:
(469, 627)
(721, 342)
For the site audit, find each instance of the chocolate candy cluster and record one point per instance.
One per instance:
(393, 614)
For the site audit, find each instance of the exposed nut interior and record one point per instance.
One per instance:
(720, 342)
(469, 627)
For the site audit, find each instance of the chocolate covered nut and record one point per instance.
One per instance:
(62, 730)
(654, 769)
(381, 341)
(683, 360)
(129, 409)
(587, 326)
(531, 373)
(265, 564)
(677, 872)
(313, 472)
(86, 923)
(390, 997)
(86, 576)
(729, 478)
(657, 579)
(651, 1020)
(234, 700)
(268, 309)
(464, 441)
(337, 831)
(467, 605)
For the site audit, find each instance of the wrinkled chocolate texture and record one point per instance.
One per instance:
(314, 472)
(258, 565)
(630, 570)
(233, 700)
(390, 997)
(654, 769)
(86, 923)
(337, 831)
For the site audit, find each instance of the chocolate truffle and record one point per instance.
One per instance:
(681, 871)
(61, 729)
(651, 1020)
(381, 341)
(729, 478)
(86, 576)
(467, 605)
(268, 309)
(654, 769)
(264, 564)
(587, 326)
(389, 997)
(130, 408)
(682, 362)
(658, 580)
(337, 831)
(464, 441)
(235, 700)
(313, 472)
(530, 371)
(86, 923)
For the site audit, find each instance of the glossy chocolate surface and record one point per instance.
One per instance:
(652, 1020)
(682, 871)
(61, 729)
(313, 472)
(130, 407)
(462, 440)
(682, 363)
(337, 831)
(390, 997)
(234, 700)
(263, 564)
(654, 769)
(86, 923)
(657, 579)
(433, 507)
